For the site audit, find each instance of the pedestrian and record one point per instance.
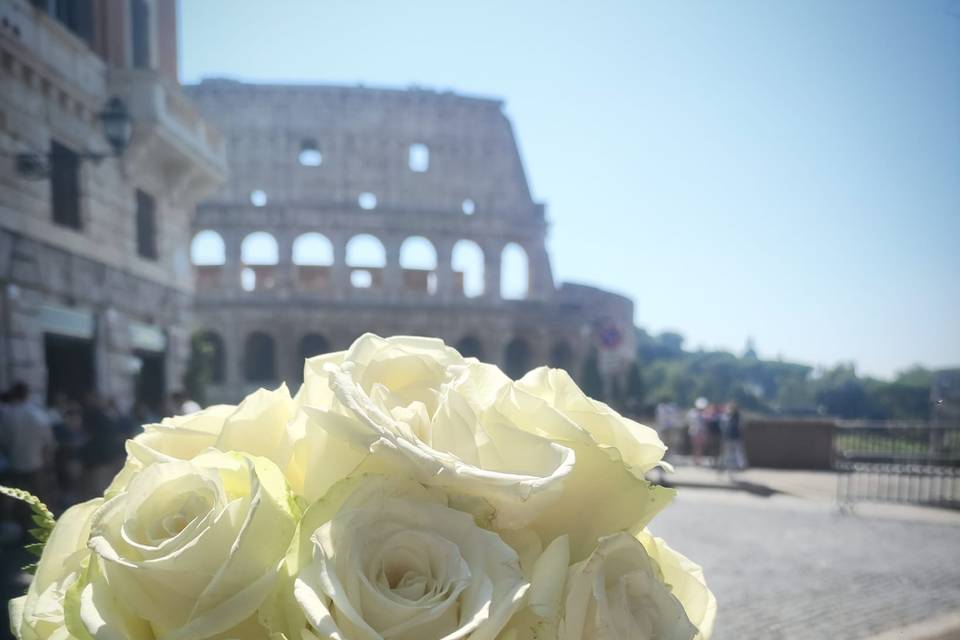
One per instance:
(697, 429)
(102, 453)
(183, 405)
(28, 445)
(733, 454)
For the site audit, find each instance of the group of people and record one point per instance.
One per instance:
(68, 451)
(705, 430)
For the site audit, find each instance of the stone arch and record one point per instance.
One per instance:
(259, 255)
(259, 248)
(213, 352)
(470, 347)
(366, 259)
(467, 264)
(313, 249)
(313, 344)
(514, 272)
(517, 358)
(259, 357)
(207, 249)
(418, 262)
(312, 256)
(561, 355)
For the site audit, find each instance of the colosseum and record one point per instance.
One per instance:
(352, 209)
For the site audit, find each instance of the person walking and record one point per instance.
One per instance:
(28, 444)
(733, 455)
(697, 428)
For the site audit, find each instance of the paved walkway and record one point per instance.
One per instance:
(785, 563)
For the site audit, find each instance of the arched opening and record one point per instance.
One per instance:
(313, 257)
(419, 158)
(514, 273)
(259, 358)
(259, 254)
(467, 264)
(418, 261)
(312, 344)
(258, 198)
(366, 259)
(208, 255)
(561, 355)
(208, 350)
(310, 155)
(470, 347)
(367, 201)
(516, 358)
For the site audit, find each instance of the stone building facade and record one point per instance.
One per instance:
(350, 209)
(95, 279)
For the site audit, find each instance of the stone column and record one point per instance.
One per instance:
(492, 251)
(286, 271)
(540, 276)
(230, 277)
(392, 272)
(339, 271)
(445, 283)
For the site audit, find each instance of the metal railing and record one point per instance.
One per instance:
(908, 462)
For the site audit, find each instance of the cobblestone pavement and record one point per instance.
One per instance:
(793, 569)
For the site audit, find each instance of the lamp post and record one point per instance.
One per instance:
(117, 129)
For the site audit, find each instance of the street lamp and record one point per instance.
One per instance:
(117, 129)
(117, 126)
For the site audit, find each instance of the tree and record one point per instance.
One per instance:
(592, 380)
(199, 368)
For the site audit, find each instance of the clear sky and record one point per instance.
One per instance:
(788, 171)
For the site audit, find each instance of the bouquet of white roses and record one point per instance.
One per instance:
(405, 492)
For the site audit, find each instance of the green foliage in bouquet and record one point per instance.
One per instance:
(41, 516)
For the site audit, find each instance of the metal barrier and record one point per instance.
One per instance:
(909, 462)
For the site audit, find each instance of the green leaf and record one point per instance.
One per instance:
(40, 515)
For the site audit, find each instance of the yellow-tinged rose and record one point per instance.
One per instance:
(39, 614)
(629, 587)
(686, 581)
(257, 426)
(188, 550)
(414, 405)
(388, 558)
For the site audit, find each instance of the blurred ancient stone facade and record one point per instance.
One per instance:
(95, 279)
(351, 209)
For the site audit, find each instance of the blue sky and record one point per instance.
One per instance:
(786, 171)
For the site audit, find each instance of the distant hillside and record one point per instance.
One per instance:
(667, 371)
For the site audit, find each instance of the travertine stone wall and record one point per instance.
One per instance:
(364, 138)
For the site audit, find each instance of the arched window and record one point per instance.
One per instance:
(366, 259)
(312, 249)
(310, 155)
(209, 351)
(470, 347)
(366, 250)
(514, 273)
(467, 264)
(207, 249)
(259, 358)
(516, 358)
(418, 259)
(561, 355)
(313, 344)
(259, 248)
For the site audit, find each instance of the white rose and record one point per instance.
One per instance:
(628, 587)
(387, 558)
(417, 406)
(606, 490)
(256, 426)
(39, 614)
(187, 550)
